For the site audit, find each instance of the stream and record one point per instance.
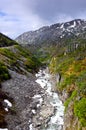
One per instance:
(56, 120)
(46, 110)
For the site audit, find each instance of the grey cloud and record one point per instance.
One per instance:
(25, 15)
(47, 9)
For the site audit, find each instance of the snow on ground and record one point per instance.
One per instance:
(38, 98)
(33, 111)
(62, 26)
(8, 103)
(6, 109)
(31, 127)
(72, 26)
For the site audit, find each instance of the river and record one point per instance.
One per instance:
(56, 121)
(45, 110)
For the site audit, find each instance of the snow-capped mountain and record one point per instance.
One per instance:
(54, 32)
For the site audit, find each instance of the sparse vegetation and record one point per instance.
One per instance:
(71, 64)
(16, 58)
(80, 111)
(5, 41)
(68, 58)
(4, 74)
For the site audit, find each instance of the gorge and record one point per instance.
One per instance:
(33, 97)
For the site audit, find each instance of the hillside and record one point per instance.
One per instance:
(63, 47)
(6, 41)
(13, 58)
(69, 64)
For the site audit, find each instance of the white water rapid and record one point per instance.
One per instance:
(56, 121)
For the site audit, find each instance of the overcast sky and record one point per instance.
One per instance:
(18, 16)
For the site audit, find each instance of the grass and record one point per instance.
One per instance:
(19, 57)
(80, 111)
(4, 74)
(15, 58)
(71, 98)
(5, 41)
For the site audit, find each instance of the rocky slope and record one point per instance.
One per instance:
(16, 66)
(24, 104)
(52, 34)
(29, 103)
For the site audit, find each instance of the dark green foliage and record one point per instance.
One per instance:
(80, 110)
(8, 53)
(81, 83)
(18, 57)
(5, 41)
(68, 81)
(23, 51)
(4, 74)
(71, 98)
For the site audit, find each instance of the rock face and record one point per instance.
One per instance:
(53, 33)
(30, 104)
(21, 89)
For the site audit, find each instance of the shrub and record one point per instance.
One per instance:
(4, 74)
(72, 97)
(80, 111)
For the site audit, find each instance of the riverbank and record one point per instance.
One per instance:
(35, 103)
(55, 117)
(22, 89)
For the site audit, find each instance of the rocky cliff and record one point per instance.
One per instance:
(52, 34)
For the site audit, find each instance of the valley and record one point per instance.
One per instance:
(43, 76)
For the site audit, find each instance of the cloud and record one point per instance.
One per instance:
(18, 16)
(52, 8)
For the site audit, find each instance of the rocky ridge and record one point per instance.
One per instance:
(52, 34)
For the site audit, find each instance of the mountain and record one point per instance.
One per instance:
(54, 33)
(63, 45)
